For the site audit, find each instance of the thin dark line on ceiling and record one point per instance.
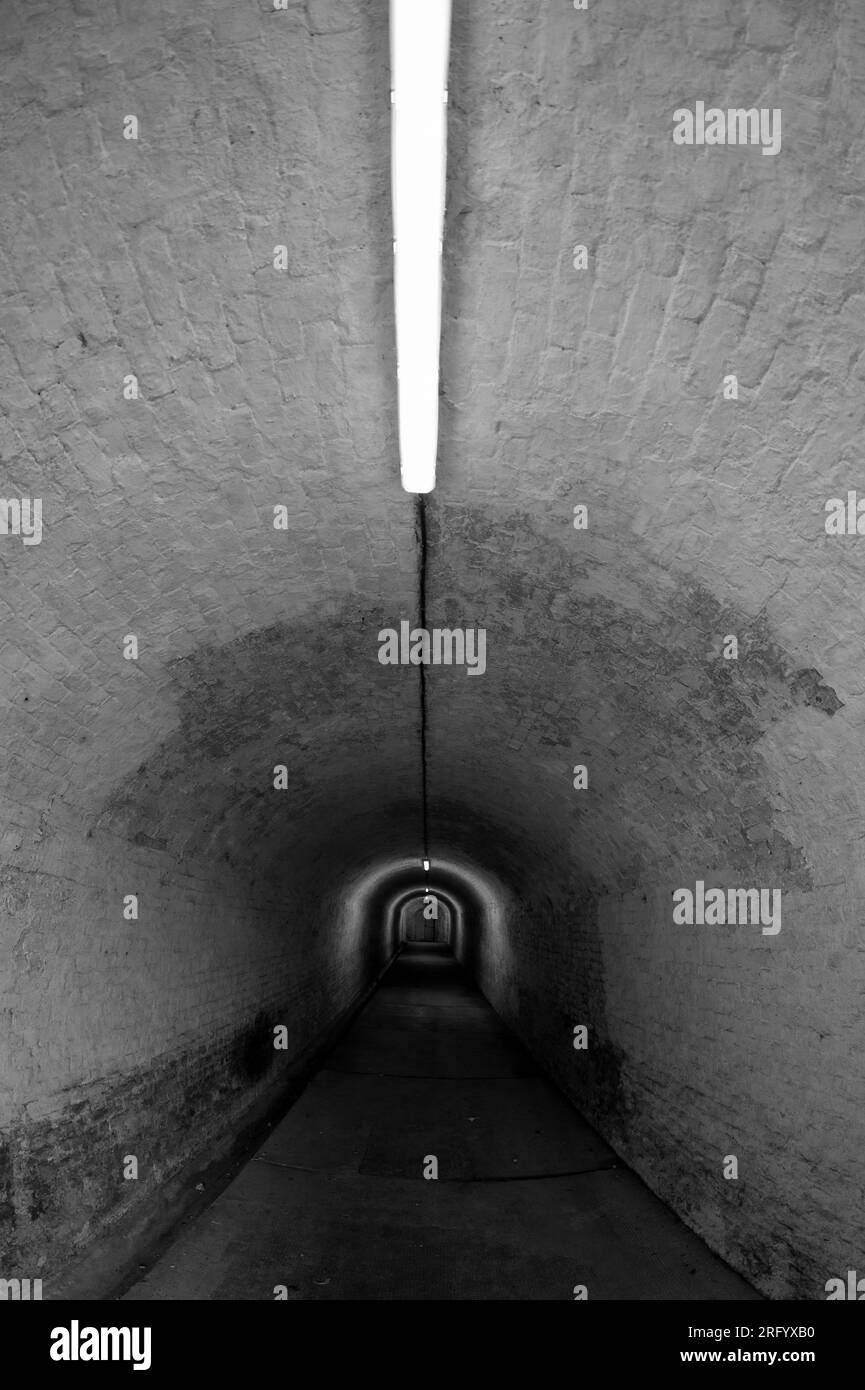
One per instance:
(422, 576)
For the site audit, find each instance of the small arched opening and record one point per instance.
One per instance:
(425, 919)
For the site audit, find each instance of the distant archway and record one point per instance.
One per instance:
(427, 918)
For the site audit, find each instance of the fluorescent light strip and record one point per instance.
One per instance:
(419, 42)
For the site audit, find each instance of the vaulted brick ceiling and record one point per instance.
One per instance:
(559, 387)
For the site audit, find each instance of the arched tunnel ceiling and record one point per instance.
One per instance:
(379, 891)
(261, 388)
(604, 388)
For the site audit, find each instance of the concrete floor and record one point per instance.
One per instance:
(529, 1201)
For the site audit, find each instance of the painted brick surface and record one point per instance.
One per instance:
(706, 517)
(261, 388)
(257, 646)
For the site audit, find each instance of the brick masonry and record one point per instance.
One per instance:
(257, 646)
(603, 387)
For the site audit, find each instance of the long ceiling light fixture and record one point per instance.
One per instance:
(419, 43)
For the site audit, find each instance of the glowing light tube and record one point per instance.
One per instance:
(419, 43)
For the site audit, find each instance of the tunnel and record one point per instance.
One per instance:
(426, 919)
(217, 797)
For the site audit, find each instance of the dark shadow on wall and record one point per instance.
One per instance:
(173, 1193)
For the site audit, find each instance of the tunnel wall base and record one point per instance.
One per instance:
(140, 1049)
(686, 1067)
(115, 1258)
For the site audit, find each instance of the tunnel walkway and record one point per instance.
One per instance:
(529, 1201)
